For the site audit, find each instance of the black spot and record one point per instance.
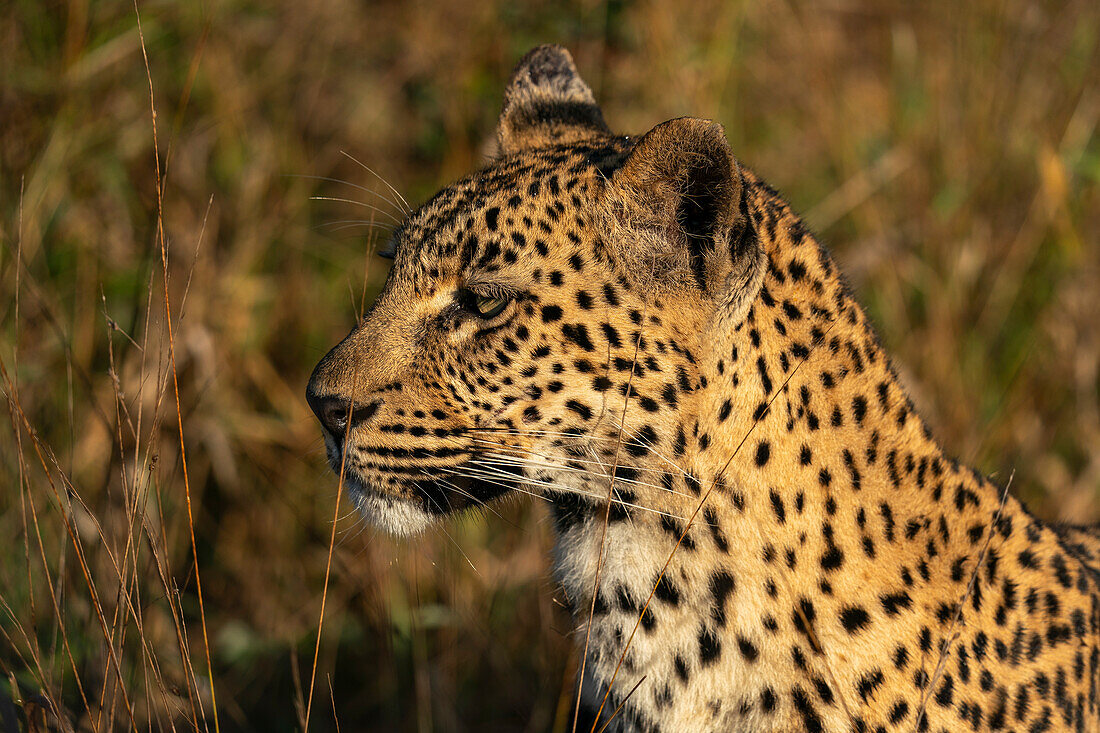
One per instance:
(868, 683)
(721, 587)
(667, 592)
(748, 649)
(569, 510)
(765, 380)
(854, 619)
(791, 311)
(611, 335)
(763, 452)
(810, 720)
(681, 668)
(823, 691)
(491, 218)
(668, 394)
(580, 408)
(578, 333)
(642, 441)
(777, 507)
(710, 648)
(716, 532)
(681, 441)
(832, 558)
(859, 408)
(550, 313)
(625, 601)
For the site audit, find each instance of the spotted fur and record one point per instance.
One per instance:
(786, 546)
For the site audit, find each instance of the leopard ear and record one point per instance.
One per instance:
(547, 103)
(678, 212)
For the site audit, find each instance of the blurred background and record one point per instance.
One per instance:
(947, 152)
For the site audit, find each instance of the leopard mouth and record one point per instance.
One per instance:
(405, 501)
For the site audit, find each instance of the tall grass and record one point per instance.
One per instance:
(166, 302)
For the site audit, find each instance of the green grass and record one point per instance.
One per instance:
(947, 153)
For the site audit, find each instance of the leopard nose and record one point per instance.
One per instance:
(339, 415)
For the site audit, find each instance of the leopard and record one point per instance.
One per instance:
(754, 528)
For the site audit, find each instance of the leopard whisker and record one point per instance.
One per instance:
(642, 469)
(572, 458)
(517, 488)
(493, 460)
(368, 169)
(484, 474)
(361, 525)
(340, 225)
(443, 529)
(450, 485)
(364, 204)
(649, 447)
(520, 461)
(345, 515)
(480, 477)
(356, 186)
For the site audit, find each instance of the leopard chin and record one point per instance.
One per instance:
(404, 508)
(397, 516)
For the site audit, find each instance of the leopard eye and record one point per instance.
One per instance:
(488, 307)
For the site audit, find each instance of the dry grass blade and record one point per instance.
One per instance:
(328, 562)
(359, 312)
(58, 615)
(77, 545)
(695, 514)
(336, 508)
(603, 533)
(619, 707)
(299, 697)
(163, 242)
(952, 636)
(332, 699)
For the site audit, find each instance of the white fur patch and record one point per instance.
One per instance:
(399, 517)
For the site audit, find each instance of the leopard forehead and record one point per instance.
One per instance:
(514, 203)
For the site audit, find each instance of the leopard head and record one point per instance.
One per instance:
(541, 326)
